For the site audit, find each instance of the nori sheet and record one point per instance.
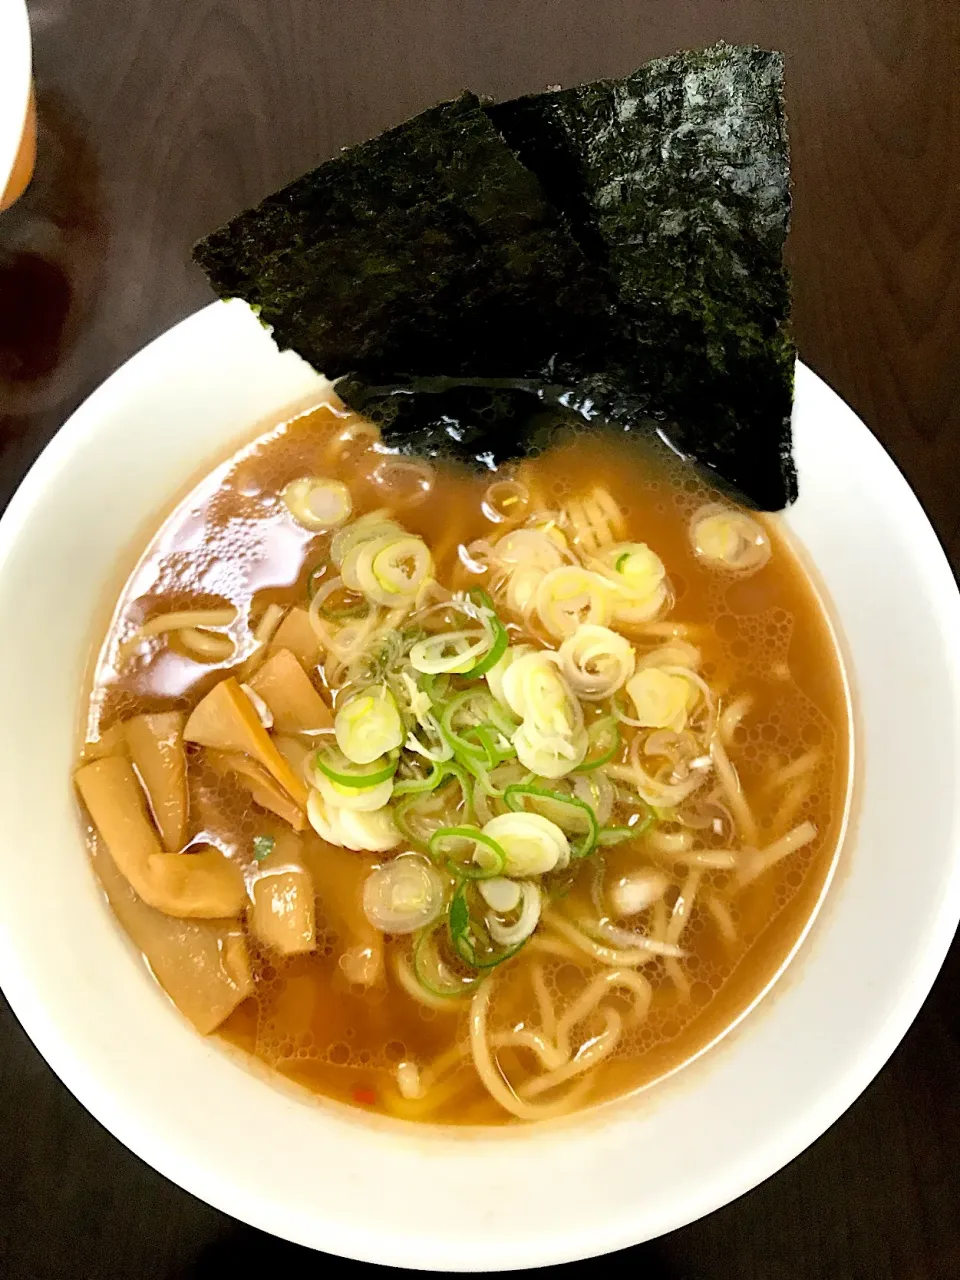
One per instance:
(629, 269)
(484, 421)
(675, 181)
(428, 250)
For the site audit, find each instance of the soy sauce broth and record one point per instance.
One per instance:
(232, 541)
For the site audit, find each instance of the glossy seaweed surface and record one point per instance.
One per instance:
(613, 250)
(429, 249)
(675, 182)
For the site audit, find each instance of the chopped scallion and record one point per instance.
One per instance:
(262, 847)
(487, 858)
(335, 765)
(469, 935)
(603, 739)
(568, 812)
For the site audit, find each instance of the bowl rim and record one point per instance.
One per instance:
(765, 1156)
(15, 73)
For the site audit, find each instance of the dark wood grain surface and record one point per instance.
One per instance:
(158, 119)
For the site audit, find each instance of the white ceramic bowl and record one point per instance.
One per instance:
(14, 82)
(328, 1176)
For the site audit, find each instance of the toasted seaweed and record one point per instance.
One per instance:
(482, 421)
(675, 182)
(613, 250)
(428, 250)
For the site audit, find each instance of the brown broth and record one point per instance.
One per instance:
(765, 635)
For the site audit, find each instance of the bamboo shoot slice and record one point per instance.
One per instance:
(263, 787)
(226, 719)
(296, 634)
(282, 915)
(155, 743)
(206, 885)
(203, 965)
(286, 689)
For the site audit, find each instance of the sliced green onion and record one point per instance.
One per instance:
(501, 894)
(359, 609)
(485, 737)
(617, 835)
(482, 599)
(459, 744)
(368, 545)
(367, 831)
(729, 539)
(417, 786)
(500, 668)
(441, 771)
(434, 974)
(389, 569)
(316, 503)
(603, 739)
(512, 934)
(492, 787)
(487, 710)
(493, 853)
(567, 812)
(596, 790)
(549, 755)
(469, 935)
(450, 651)
(642, 568)
(487, 715)
(614, 835)
(329, 588)
(488, 756)
(645, 819)
(262, 847)
(453, 770)
(596, 662)
(495, 653)
(498, 715)
(500, 637)
(661, 700)
(373, 525)
(496, 752)
(406, 810)
(533, 843)
(358, 799)
(404, 895)
(369, 725)
(569, 596)
(431, 744)
(428, 683)
(402, 816)
(335, 766)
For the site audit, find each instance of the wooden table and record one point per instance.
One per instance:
(158, 119)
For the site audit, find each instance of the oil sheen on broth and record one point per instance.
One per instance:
(656, 892)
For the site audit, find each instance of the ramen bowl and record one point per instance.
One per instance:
(380, 1190)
